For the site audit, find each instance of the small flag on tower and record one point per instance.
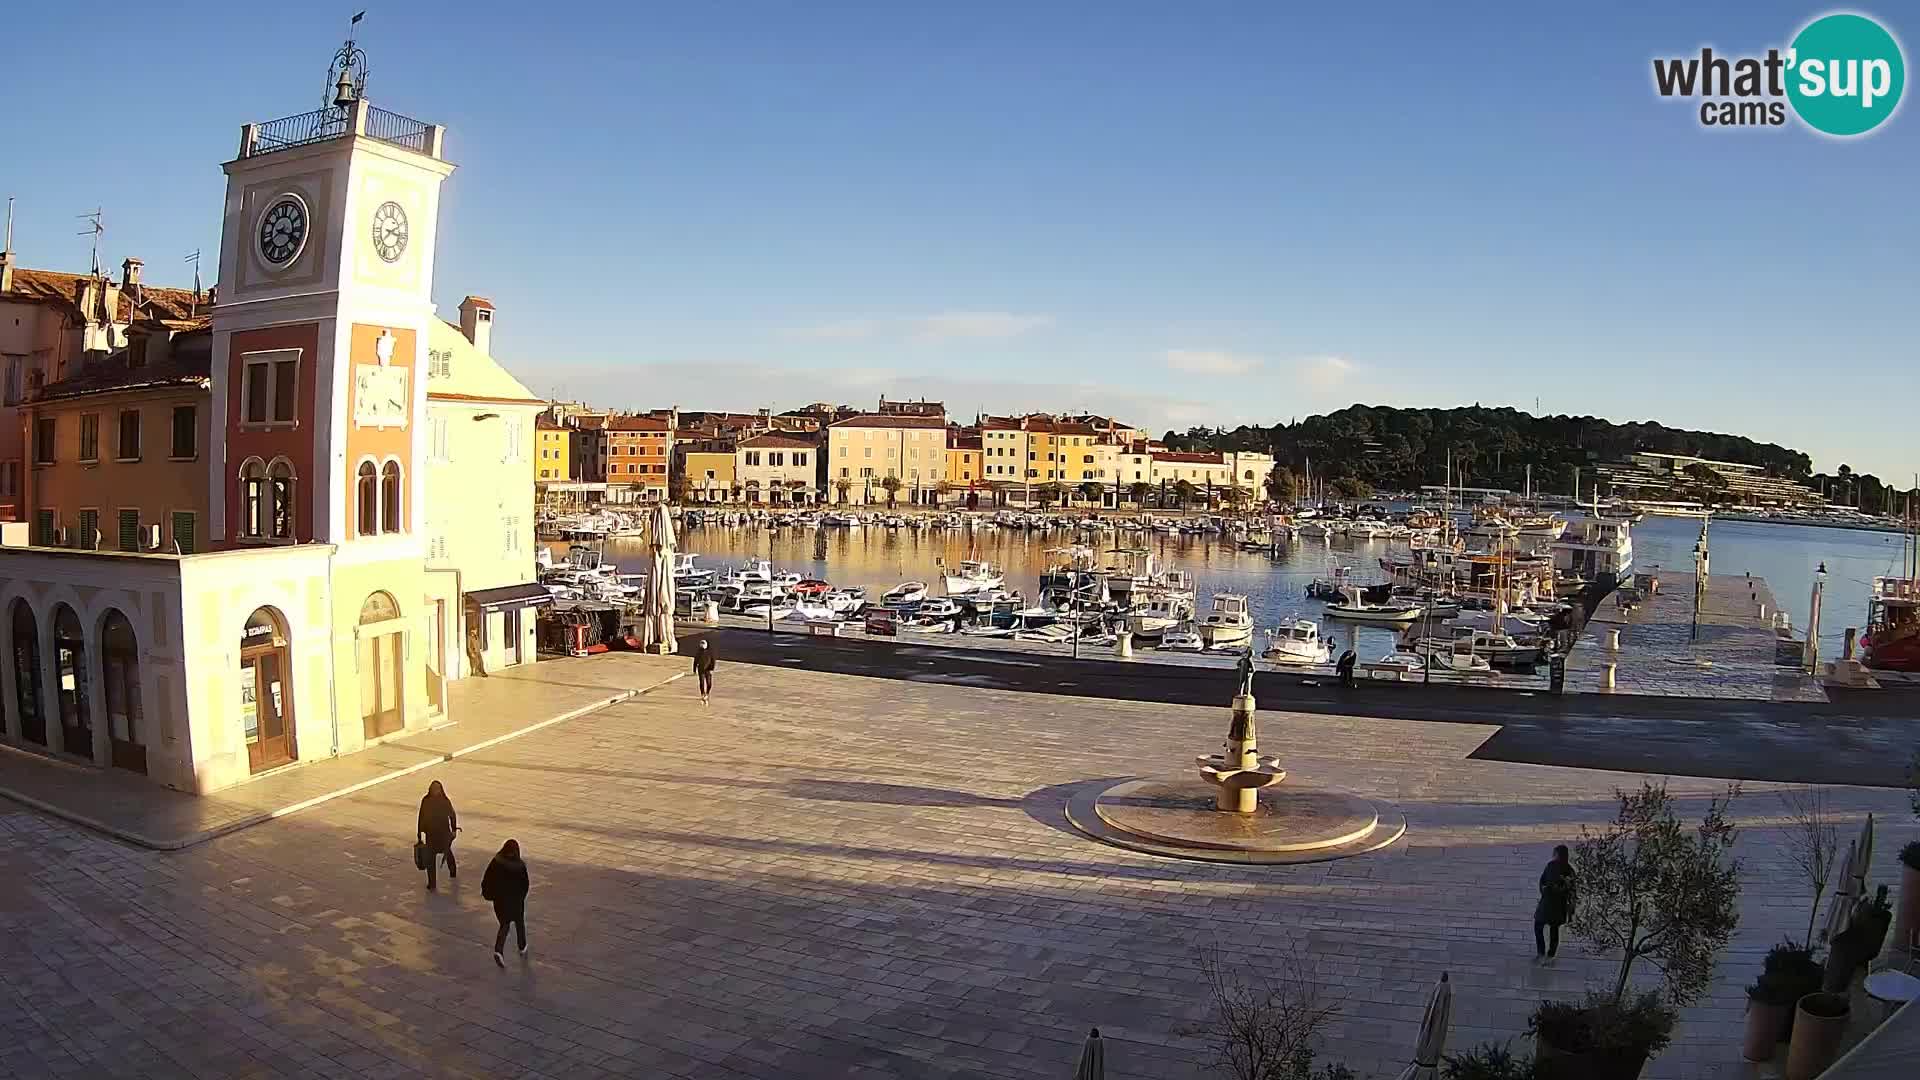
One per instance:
(357, 18)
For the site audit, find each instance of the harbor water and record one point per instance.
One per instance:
(1275, 584)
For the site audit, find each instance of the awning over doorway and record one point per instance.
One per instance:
(510, 596)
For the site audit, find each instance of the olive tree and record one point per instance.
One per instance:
(1266, 1026)
(1812, 843)
(1649, 888)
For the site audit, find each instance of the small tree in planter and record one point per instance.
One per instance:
(1812, 843)
(1267, 1027)
(1649, 889)
(1488, 1061)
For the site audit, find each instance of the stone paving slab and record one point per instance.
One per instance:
(825, 876)
(485, 711)
(1732, 658)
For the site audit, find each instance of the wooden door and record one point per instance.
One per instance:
(380, 702)
(266, 708)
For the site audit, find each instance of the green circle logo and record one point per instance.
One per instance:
(1846, 74)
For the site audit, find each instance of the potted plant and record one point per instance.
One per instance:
(1488, 1061)
(1770, 1004)
(1600, 1038)
(1818, 1026)
(1908, 920)
(1646, 887)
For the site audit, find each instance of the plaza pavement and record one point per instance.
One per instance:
(822, 876)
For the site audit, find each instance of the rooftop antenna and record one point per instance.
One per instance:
(97, 225)
(8, 250)
(347, 74)
(194, 259)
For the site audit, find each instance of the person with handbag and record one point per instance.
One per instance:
(436, 827)
(1556, 904)
(506, 884)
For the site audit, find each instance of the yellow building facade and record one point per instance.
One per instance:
(710, 475)
(552, 453)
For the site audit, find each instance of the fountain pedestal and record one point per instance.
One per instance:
(1240, 772)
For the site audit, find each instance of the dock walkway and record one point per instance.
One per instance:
(1733, 656)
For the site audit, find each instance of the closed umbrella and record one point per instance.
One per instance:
(657, 629)
(1093, 1059)
(1853, 883)
(1433, 1034)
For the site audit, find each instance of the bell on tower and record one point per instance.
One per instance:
(347, 76)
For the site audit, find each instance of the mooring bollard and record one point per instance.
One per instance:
(1613, 641)
(1608, 675)
(1123, 645)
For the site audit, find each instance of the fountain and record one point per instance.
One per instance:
(1221, 816)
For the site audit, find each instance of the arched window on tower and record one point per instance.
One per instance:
(391, 519)
(253, 499)
(280, 483)
(367, 521)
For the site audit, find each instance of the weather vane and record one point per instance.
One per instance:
(347, 75)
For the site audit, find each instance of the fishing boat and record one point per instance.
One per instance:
(1892, 641)
(1314, 530)
(848, 601)
(1331, 588)
(1354, 607)
(1297, 642)
(1497, 648)
(1183, 640)
(1164, 611)
(1228, 623)
(974, 577)
(907, 592)
(938, 609)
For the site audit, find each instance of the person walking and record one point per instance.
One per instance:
(506, 884)
(703, 661)
(1556, 903)
(435, 828)
(1345, 667)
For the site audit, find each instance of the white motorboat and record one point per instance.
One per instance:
(1313, 530)
(813, 611)
(1229, 623)
(752, 571)
(1494, 646)
(1366, 529)
(938, 608)
(688, 576)
(1297, 642)
(974, 577)
(846, 602)
(1352, 608)
(1186, 640)
(907, 592)
(1165, 611)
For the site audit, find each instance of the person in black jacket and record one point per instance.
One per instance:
(437, 825)
(1556, 903)
(703, 661)
(1345, 667)
(506, 884)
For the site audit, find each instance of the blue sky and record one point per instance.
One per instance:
(1202, 213)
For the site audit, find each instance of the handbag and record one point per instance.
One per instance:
(421, 856)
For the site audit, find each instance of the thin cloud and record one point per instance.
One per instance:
(1211, 362)
(1325, 372)
(976, 324)
(843, 330)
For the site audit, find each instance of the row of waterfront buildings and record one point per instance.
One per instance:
(900, 452)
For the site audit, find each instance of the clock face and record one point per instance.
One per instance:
(390, 231)
(283, 230)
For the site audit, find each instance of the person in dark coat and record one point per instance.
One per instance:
(703, 661)
(506, 884)
(437, 825)
(1556, 903)
(1345, 667)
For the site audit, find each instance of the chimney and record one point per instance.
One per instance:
(6, 271)
(130, 272)
(476, 322)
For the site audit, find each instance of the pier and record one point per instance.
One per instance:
(1735, 653)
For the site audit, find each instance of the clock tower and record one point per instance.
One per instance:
(320, 328)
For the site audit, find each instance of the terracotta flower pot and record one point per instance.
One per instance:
(1906, 917)
(1767, 1028)
(1819, 1023)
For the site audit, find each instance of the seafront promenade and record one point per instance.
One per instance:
(829, 875)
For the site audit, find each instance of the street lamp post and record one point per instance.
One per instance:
(1812, 648)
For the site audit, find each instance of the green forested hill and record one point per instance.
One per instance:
(1405, 448)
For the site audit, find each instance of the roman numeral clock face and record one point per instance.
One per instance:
(390, 231)
(283, 230)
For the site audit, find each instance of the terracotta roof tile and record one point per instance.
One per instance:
(778, 439)
(635, 423)
(872, 420)
(191, 363)
(55, 287)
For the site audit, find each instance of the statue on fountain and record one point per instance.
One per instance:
(1245, 668)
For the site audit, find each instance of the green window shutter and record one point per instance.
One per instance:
(87, 535)
(129, 530)
(46, 528)
(183, 537)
